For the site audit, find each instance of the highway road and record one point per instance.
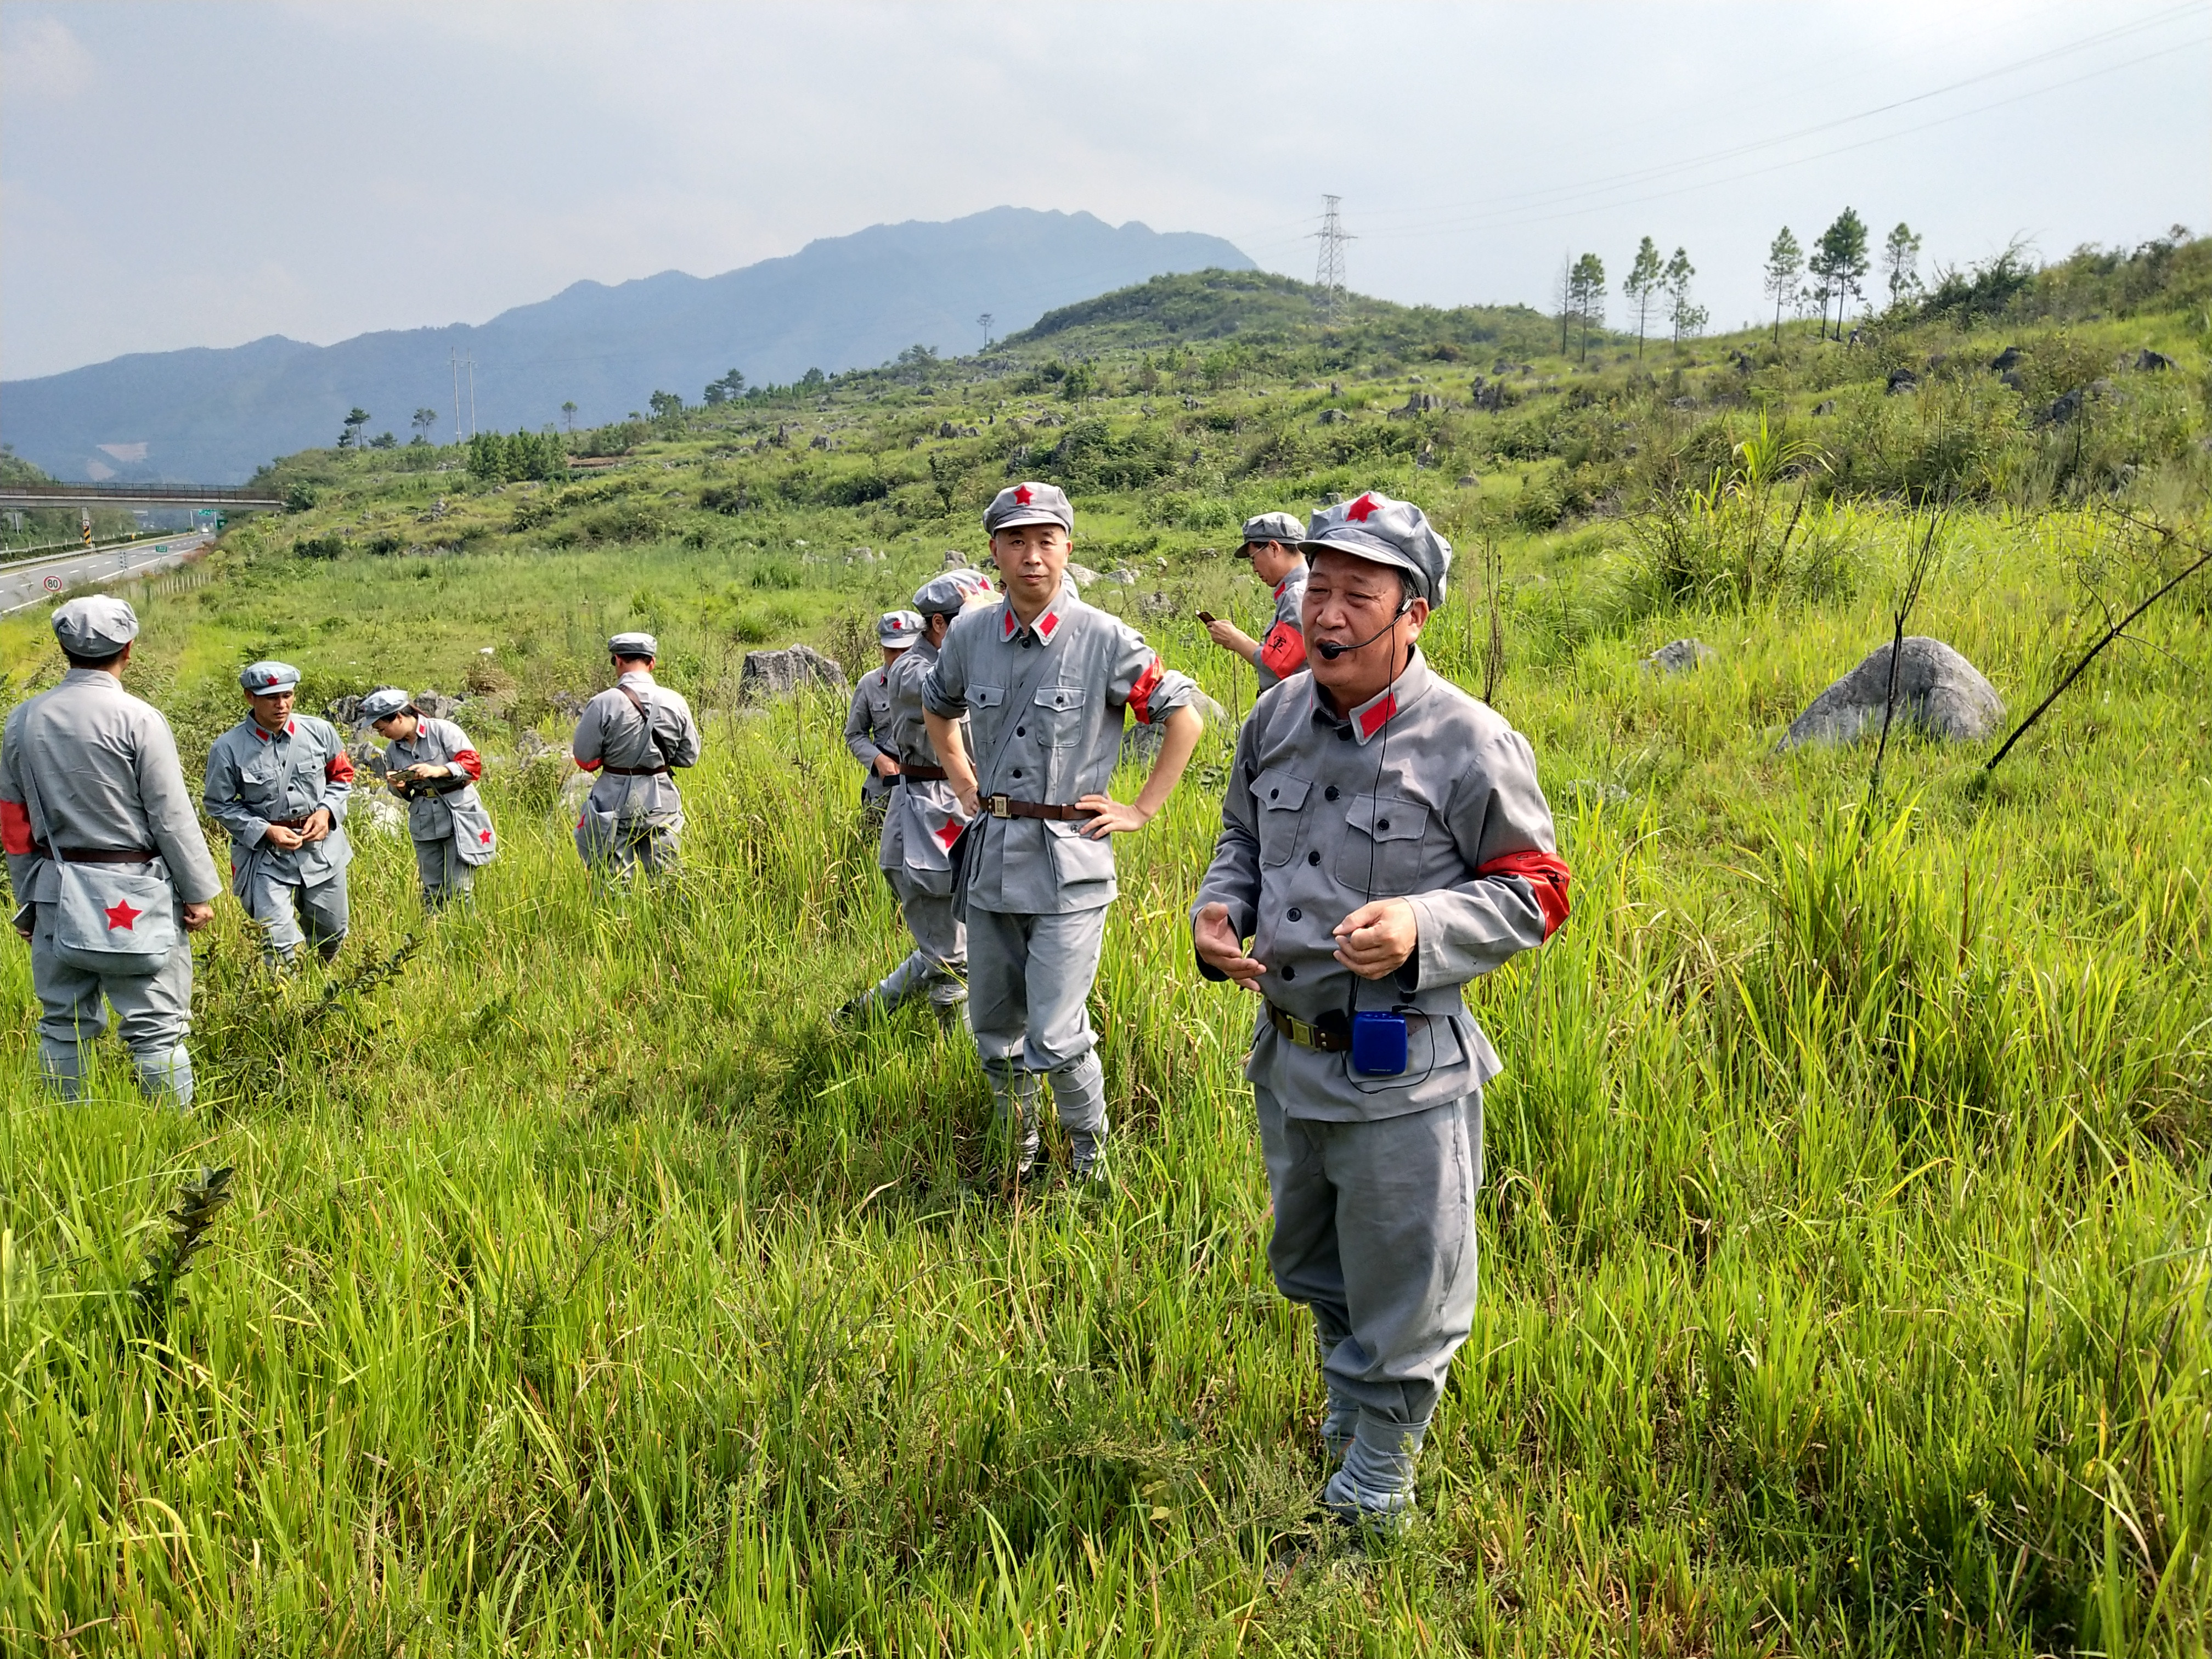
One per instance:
(40, 581)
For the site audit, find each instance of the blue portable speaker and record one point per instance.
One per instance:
(1378, 1044)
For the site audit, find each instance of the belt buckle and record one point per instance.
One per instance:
(999, 806)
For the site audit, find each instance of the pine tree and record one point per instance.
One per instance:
(1686, 319)
(1586, 285)
(1900, 261)
(1841, 264)
(1785, 260)
(1641, 287)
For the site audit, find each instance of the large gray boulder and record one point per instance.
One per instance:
(780, 673)
(1938, 693)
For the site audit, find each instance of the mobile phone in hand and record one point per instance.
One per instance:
(1206, 615)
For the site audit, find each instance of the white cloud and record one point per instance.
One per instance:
(41, 61)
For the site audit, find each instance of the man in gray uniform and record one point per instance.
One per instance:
(1384, 840)
(106, 857)
(280, 783)
(632, 734)
(432, 766)
(867, 723)
(924, 817)
(1044, 680)
(1271, 543)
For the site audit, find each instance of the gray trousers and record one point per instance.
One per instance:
(444, 875)
(656, 848)
(939, 956)
(290, 915)
(1028, 986)
(152, 1012)
(1375, 1231)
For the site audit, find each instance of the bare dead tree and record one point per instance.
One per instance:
(1923, 561)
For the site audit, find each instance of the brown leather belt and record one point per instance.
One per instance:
(913, 773)
(1329, 1039)
(95, 854)
(292, 824)
(1002, 806)
(632, 771)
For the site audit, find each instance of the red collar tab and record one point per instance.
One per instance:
(1371, 718)
(1044, 626)
(1358, 510)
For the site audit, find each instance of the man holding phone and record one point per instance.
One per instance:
(1384, 840)
(1271, 543)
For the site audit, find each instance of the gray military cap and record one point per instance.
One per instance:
(263, 678)
(1030, 502)
(99, 625)
(1374, 527)
(898, 628)
(634, 645)
(948, 594)
(1282, 527)
(382, 704)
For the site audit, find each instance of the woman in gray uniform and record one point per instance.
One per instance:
(432, 766)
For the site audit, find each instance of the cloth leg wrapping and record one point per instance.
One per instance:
(1375, 1231)
(906, 979)
(1014, 1118)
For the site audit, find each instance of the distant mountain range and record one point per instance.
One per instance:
(207, 416)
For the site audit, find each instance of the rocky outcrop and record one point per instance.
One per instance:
(1680, 657)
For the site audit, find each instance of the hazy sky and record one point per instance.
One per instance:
(181, 175)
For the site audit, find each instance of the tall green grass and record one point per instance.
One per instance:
(1844, 1240)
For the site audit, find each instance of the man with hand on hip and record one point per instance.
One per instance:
(1044, 680)
(106, 861)
(1384, 840)
(280, 783)
(1272, 544)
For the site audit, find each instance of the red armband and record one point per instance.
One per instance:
(1140, 694)
(467, 760)
(1283, 652)
(15, 827)
(589, 765)
(1545, 873)
(339, 767)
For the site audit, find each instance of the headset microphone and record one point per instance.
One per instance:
(1331, 650)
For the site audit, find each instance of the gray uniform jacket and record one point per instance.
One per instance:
(1283, 650)
(1425, 795)
(254, 780)
(105, 767)
(867, 728)
(1045, 711)
(611, 732)
(924, 818)
(436, 743)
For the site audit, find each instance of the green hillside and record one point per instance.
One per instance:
(1844, 1273)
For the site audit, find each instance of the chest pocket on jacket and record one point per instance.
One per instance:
(1282, 800)
(879, 707)
(1386, 832)
(261, 780)
(1055, 715)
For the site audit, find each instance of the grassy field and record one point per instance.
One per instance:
(1845, 1243)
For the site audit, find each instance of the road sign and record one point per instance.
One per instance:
(53, 584)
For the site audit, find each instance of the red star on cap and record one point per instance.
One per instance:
(1359, 509)
(1022, 493)
(120, 914)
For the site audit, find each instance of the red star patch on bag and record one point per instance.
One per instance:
(120, 914)
(947, 835)
(484, 836)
